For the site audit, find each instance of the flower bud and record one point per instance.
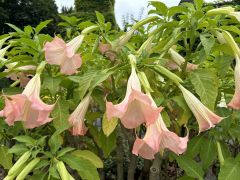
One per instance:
(28, 169)
(19, 163)
(62, 171)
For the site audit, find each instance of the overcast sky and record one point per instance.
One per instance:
(137, 8)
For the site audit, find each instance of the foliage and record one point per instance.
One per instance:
(52, 152)
(27, 12)
(86, 9)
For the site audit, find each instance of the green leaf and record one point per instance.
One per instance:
(194, 146)
(55, 142)
(185, 112)
(198, 4)
(230, 170)
(5, 158)
(100, 17)
(161, 8)
(207, 42)
(191, 168)
(15, 28)
(166, 118)
(176, 9)
(51, 83)
(25, 139)
(89, 80)
(107, 144)
(60, 115)
(108, 126)
(206, 84)
(85, 168)
(64, 151)
(208, 153)
(42, 25)
(18, 149)
(93, 158)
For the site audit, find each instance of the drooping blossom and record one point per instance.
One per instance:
(178, 61)
(205, 117)
(106, 49)
(158, 138)
(136, 108)
(224, 10)
(59, 53)
(235, 102)
(22, 76)
(76, 119)
(27, 107)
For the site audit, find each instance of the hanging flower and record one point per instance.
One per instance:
(136, 108)
(158, 138)
(27, 107)
(76, 119)
(224, 10)
(205, 117)
(235, 102)
(178, 60)
(59, 53)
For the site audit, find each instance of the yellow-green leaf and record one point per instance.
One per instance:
(108, 126)
(90, 156)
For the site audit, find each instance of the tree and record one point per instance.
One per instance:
(86, 9)
(26, 12)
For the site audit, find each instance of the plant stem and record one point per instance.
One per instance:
(120, 155)
(155, 168)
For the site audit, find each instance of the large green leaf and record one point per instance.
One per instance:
(206, 84)
(106, 143)
(208, 153)
(5, 158)
(55, 142)
(60, 115)
(230, 170)
(207, 42)
(85, 168)
(108, 126)
(192, 168)
(51, 83)
(198, 4)
(25, 139)
(184, 113)
(42, 25)
(89, 80)
(194, 146)
(93, 158)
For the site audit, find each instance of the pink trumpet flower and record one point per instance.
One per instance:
(59, 53)
(178, 61)
(136, 108)
(158, 138)
(76, 119)
(235, 102)
(206, 118)
(27, 107)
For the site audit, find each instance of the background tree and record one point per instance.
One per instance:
(86, 9)
(27, 12)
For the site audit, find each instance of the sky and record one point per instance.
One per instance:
(124, 8)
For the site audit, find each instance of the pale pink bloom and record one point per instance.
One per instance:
(27, 107)
(158, 138)
(173, 66)
(235, 102)
(206, 118)
(76, 119)
(178, 61)
(20, 76)
(59, 53)
(136, 108)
